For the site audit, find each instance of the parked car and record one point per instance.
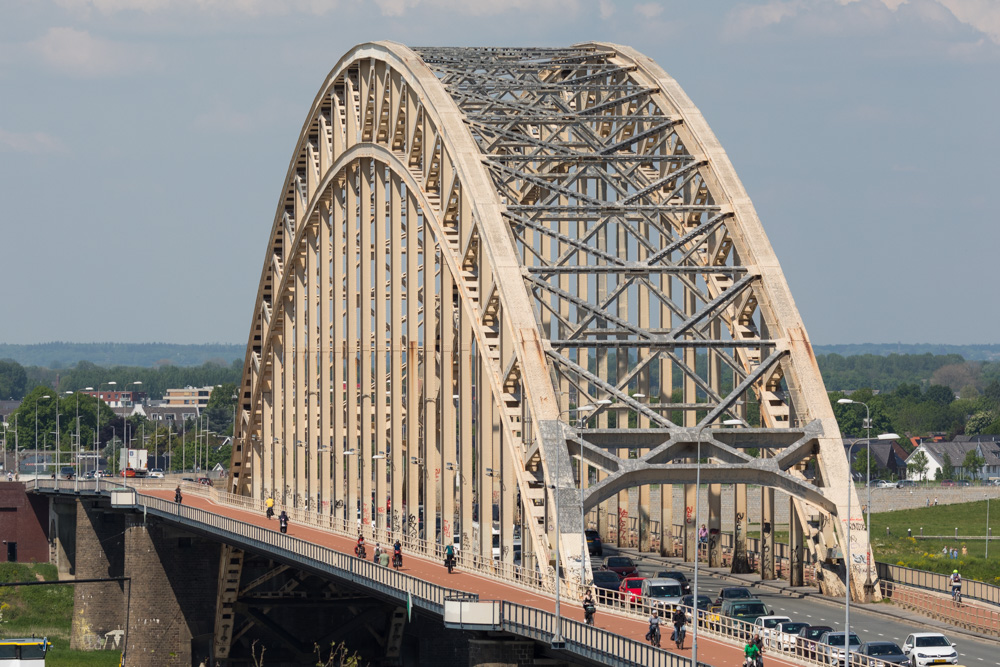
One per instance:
(207, 481)
(880, 654)
(929, 648)
(606, 585)
(620, 565)
(734, 593)
(594, 544)
(678, 575)
(830, 648)
(904, 483)
(747, 611)
(948, 482)
(663, 593)
(631, 590)
(786, 634)
(885, 484)
(808, 638)
(963, 482)
(764, 626)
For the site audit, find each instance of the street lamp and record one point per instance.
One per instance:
(847, 560)
(697, 510)
(36, 432)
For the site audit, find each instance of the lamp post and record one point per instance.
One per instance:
(697, 510)
(987, 527)
(847, 532)
(36, 432)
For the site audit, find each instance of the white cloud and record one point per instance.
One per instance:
(78, 53)
(649, 10)
(239, 7)
(607, 8)
(29, 142)
(748, 18)
(983, 15)
(479, 7)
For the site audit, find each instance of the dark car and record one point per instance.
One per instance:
(676, 575)
(594, 544)
(963, 482)
(67, 472)
(903, 483)
(606, 585)
(207, 481)
(733, 593)
(620, 565)
(704, 603)
(808, 637)
(879, 654)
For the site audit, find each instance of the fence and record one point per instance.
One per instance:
(933, 581)
(964, 615)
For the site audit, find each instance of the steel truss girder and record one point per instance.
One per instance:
(593, 240)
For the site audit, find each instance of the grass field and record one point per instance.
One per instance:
(926, 554)
(44, 611)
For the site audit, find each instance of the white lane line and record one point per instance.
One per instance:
(881, 635)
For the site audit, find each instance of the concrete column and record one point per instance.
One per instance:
(767, 533)
(690, 534)
(644, 538)
(500, 653)
(98, 608)
(740, 564)
(621, 510)
(171, 594)
(796, 547)
(715, 525)
(63, 518)
(603, 512)
(666, 520)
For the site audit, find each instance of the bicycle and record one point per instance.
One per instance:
(360, 552)
(956, 595)
(588, 613)
(654, 636)
(450, 562)
(679, 634)
(397, 560)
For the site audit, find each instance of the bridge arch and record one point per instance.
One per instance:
(498, 275)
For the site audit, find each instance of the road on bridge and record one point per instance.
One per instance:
(710, 651)
(815, 610)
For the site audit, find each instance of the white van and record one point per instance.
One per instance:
(24, 652)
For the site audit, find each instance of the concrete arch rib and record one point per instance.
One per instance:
(800, 368)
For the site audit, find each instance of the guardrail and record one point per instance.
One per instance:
(964, 615)
(933, 581)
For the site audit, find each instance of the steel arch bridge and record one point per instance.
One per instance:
(523, 279)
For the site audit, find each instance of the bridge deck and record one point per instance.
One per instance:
(710, 651)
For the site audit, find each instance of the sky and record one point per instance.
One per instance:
(143, 145)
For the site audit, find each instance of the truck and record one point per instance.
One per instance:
(135, 459)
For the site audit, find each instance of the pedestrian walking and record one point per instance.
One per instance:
(177, 495)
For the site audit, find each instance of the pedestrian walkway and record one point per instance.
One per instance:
(711, 650)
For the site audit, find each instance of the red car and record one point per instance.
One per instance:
(620, 565)
(631, 590)
(128, 472)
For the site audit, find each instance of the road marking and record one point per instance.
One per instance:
(881, 635)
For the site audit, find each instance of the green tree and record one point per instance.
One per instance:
(947, 467)
(220, 408)
(973, 464)
(918, 465)
(978, 421)
(13, 379)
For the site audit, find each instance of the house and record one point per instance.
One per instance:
(168, 414)
(956, 450)
(886, 456)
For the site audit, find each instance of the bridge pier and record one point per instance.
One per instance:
(666, 520)
(740, 564)
(62, 533)
(767, 533)
(171, 592)
(98, 608)
(796, 546)
(715, 525)
(500, 652)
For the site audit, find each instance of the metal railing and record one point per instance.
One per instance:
(964, 615)
(933, 581)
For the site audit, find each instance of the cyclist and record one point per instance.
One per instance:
(397, 553)
(956, 586)
(654, 628)
(359, 549)
(751, 653)
(680, 620)
(589, 608)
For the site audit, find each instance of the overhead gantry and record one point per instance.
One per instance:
(505, 280)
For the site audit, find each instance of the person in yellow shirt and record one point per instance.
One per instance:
(269, 503)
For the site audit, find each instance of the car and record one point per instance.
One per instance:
(880, 654)
(678, 575)
(948, 482)
(830, 647)
(664, 594)
(885, 484)
(89, 474)
(128, 472)
(963, 482)
(156, 473)
(620, 565)
(904, 483)
(786, 635)
(734, 593)
(747, 611)
(207, 481)
(764, 626)
(67, 472)
(808, 637)
(704, 604)
(606, 585)
(594, 544)
(631, 589)
(929, 648)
